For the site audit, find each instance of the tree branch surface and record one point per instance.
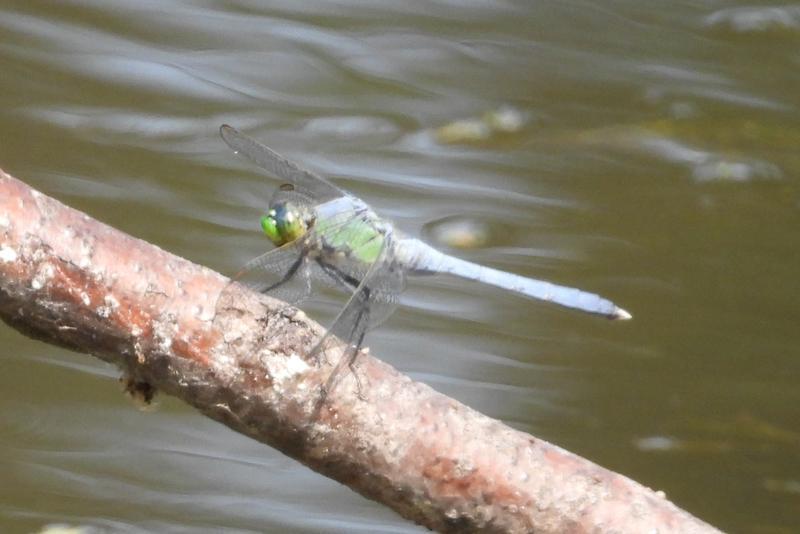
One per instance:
(70, 280)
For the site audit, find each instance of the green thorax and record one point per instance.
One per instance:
(348, 229)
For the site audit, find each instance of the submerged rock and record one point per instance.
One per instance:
(494, 123)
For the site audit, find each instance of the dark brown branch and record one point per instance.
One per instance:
(70, 280)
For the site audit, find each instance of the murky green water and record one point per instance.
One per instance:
(657, 162)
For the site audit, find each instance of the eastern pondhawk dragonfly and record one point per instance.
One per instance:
(322, 232)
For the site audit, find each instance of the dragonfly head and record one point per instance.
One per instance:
(284, 222)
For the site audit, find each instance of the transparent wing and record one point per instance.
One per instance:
(386, 286)
(306, 182)
(281, 273)
(372, 302)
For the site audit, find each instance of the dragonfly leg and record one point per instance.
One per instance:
(350, 354)
(353, 321)
(354, 359)
(287, 277)
(344, 280)
(271, 272)
(319, 353)
(347, 283)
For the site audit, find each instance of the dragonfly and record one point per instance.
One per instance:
(324, 233)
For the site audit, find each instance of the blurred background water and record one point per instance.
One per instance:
(647, 151)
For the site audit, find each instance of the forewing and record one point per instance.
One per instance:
(307, 182)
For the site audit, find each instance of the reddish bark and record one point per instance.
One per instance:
(70, 280)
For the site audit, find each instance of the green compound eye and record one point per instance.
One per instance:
(283, 224)
(270, 227)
